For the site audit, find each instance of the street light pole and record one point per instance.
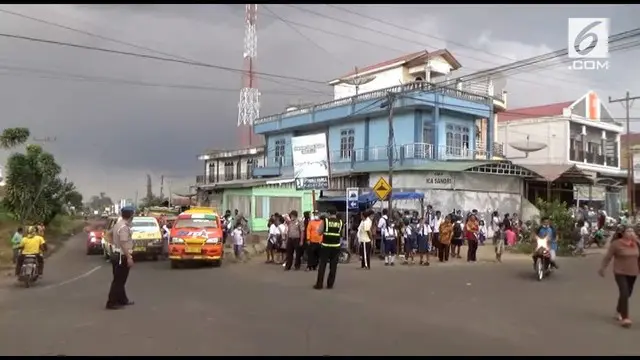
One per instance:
(390, 147)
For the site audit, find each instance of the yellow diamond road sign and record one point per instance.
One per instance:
(382, 189)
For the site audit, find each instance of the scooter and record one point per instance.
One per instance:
(542, 260)
(345, 255)
(29, 271)
(596, 237)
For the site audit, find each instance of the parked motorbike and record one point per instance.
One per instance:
(596, 237)
(542, 260)
(345, 255)
(29, 271)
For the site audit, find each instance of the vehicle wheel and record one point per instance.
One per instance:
(600, 244)
(216, 263)
(539, 269)
(89, 252)
(27, 283)
(175, 264)
(154, 257)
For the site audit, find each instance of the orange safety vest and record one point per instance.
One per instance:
(312, 231)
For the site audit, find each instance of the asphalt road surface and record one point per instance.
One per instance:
(257, 309)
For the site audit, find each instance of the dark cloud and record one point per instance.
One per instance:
(109, 135)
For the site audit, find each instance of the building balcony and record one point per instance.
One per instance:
(377, 157)
(211, 179)
(590, 158)
(416, 94)
(204, 179)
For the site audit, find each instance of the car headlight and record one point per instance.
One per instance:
(93, 239)
(177, 241)
(212, 241)
(156, 241)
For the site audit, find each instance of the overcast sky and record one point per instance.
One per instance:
(110, 133)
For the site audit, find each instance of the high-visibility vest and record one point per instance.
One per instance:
(332, 232)
(312, 231)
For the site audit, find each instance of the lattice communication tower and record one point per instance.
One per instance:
(249, 104)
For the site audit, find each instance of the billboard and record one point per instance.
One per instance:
(310, 162)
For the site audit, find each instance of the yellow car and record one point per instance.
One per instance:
(146, 236)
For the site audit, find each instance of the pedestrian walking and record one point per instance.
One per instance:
(272, 240)
(314, 238)
(295, 229)
(472, 229)
(121, 260)
(238, 241)
(365, 238)
(500, 237)
(435, 235)
(382, 225)
(283, 229)
(424, 241)
(446, 236)
(623, 249)
(458, 237)
(390, 244)
(482, 233)
(16, 239)
(331, 230)
(495, 227)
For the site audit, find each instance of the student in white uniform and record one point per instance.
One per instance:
(390, 237)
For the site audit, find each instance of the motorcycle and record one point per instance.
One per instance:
(29, 271)
(542, 259)
(596, 237)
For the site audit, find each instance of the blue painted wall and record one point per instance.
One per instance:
(358, 128)
(465, 120)
(270, 152)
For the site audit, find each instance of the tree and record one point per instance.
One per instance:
(12, 137)
(34, 192)
(100, 202)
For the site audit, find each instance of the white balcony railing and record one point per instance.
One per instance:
(417, 151)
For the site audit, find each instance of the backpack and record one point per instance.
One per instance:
(457, 231)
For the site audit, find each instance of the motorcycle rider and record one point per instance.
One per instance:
(32, 244)
(546, 230)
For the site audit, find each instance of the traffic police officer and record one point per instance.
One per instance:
(331, 231)
(121, 259)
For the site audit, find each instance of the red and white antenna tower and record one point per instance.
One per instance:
(249, 105)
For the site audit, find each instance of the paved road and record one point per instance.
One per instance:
(257, 309)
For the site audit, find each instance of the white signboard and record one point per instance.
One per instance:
(439, 180)
(310, 162)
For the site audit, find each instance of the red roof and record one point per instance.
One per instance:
(442, 52)
(534, 112)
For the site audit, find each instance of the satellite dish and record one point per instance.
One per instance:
(528, 146)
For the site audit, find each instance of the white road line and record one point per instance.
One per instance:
(72, 279)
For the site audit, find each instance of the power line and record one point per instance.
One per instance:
(53, 75)
(152, 57)
(405, 39)
(117, 41)
(337, 58)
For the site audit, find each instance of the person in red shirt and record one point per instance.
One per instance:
(471, 230)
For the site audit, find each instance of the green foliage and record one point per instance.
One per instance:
(561, 220)
(13, 137)
(34, 191)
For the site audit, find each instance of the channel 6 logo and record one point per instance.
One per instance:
(588, 39)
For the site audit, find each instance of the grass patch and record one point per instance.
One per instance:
(58, 231)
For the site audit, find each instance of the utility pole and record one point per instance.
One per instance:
(390, 148)
(161, 187)
(627, 104)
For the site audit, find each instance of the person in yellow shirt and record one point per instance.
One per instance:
(32, 244)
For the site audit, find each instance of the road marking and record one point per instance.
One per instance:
(72, 279)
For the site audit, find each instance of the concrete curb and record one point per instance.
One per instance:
(250, 251)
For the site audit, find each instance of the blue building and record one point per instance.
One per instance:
(435, 120)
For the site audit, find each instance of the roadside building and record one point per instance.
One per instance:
(574, 146)
(228, 183)
(444, 135)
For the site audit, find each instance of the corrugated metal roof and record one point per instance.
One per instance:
(534, 112)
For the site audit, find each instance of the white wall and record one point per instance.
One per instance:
(258, 161)
(446, 191)
(383, 79)
(553, 133)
